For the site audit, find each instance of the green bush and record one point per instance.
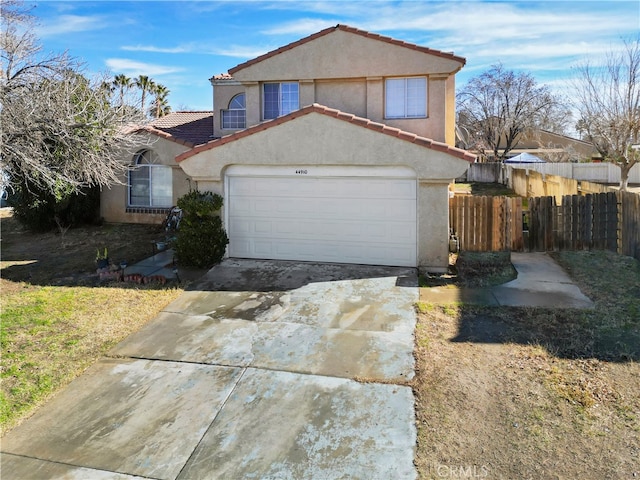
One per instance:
(201, 240)
(41, 210)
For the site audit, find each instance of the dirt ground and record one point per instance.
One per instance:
(68, 258)
(501, 396)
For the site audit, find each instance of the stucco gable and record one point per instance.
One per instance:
(346, 117)
(346, 52)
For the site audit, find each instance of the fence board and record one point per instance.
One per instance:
(613, 221)
(631, 224)
(588, 220)
(487, 223)
(605, 221)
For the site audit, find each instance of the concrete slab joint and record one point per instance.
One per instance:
(262, 370)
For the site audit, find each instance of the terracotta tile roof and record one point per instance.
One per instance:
(186, 128)
(347, 117)
(346, 28)
(222, 76)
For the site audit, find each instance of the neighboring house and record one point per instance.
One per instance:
(553, 147)
(335, 148)
(549, 146)
(154, 180)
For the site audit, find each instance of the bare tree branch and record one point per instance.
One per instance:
(608, 100)
(497, 106)
(58, 127)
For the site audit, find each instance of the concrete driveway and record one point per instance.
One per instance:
(263, 370)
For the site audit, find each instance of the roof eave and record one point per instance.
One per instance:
(356, 31)
(343, 116)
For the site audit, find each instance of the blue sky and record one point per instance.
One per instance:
(181, 44)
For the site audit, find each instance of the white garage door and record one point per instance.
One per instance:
(361, 215)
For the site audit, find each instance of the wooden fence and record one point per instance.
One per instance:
(629, 224)
(529, 183)
(608, 221)
(577, 223)
(487, 223)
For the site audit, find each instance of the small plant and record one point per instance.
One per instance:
(102, 258)
(423, 307)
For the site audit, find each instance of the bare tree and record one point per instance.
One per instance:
(58, 127)
(495, 107)
(608, 100)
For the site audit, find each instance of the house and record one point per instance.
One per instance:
(554, 147)
(548, 146)
(155, 180)
(338, 147)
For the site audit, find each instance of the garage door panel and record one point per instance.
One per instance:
(314, 250)
(330, 219)
(238, 228)
(350, 230)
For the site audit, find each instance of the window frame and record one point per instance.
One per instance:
(281, 99)
(142, 161)
(238, 125)
(407, 104)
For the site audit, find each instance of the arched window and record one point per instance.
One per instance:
(150, 185)
(235, 117)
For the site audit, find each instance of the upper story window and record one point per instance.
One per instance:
(280, 99)
(406, 97)
(150, 185)
(235, 117)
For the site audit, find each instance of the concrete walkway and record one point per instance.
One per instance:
(541, 282)
(159, 264)
(264, 370)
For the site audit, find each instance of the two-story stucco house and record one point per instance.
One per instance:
(334, 148)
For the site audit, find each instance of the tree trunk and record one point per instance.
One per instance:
(625, 168)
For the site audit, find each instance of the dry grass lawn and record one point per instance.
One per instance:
(57, 316)
(519, 393)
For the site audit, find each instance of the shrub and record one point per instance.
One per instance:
(41, 210)
(201, 240)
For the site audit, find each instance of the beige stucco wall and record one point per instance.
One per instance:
(113, 199)
(222, 95)
(342, 54)
(346, 71)
(336, 142)
(346, 95)
(362, 97)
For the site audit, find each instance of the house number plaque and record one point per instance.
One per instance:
(301, 172)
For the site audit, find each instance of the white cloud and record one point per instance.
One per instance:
(65, 24)
(463, 24)
(133, 68)
(239, 51)
(154, 49)
(303, 26)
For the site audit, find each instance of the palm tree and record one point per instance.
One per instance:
(122, 83)
(160, 106)
(146, 85)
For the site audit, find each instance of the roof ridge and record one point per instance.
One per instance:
(192, 111)
(340, 115)
(344, 28)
